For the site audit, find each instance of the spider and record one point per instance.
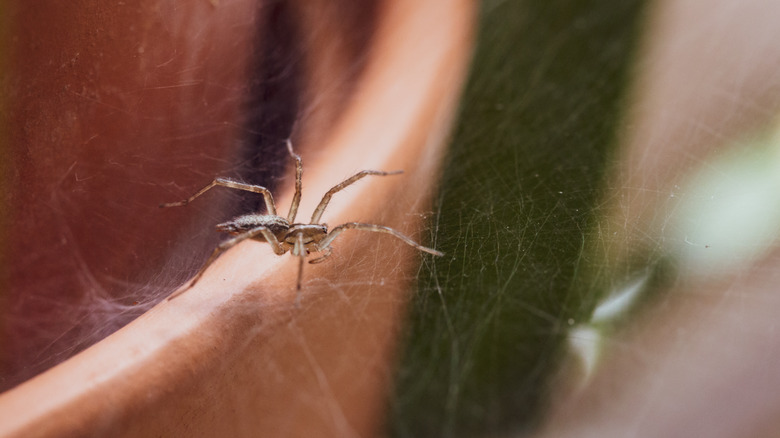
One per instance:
(283, 234)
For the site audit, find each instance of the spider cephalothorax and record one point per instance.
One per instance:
(283, 234)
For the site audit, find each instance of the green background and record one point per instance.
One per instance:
(539, 118)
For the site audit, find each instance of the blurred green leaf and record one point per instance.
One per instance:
(540, 114)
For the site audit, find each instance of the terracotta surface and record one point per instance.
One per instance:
(234, 356)
(110, 108)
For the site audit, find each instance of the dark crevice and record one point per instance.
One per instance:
(272, 102)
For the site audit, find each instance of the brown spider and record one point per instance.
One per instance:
(282, 233)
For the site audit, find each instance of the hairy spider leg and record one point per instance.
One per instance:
(226, 245)
(300, 252)
(315, 218)
(224, 182)
(298, 184)
(334, 233)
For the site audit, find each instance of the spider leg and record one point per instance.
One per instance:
(300, 251)
(271, 239)
(226, 245)
(322, 258)
(224, 182)
(325, 243)
(298, 175)
(315, 218)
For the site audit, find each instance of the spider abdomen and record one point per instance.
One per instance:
(276, 224)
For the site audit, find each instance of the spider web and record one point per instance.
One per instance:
(589, 253)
